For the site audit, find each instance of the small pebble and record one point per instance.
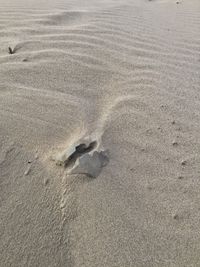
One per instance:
(183, 163)
(174, 143)
(29, 161)
(27, 171)
(175, 216)
(25, 60)
(173, 122)
(46, 181)
(180, 177)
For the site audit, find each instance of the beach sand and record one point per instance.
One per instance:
(124, 74)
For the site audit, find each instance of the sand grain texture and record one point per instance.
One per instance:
(124, 73)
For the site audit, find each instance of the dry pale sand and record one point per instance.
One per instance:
(123, 73)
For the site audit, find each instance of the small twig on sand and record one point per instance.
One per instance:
(12, 51)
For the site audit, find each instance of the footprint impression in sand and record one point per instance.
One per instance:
(83, 158)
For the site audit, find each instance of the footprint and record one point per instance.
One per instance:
(83, 158)
(79, 151)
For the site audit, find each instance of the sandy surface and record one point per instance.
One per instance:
(123, 73)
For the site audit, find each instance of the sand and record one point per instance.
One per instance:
(124, 74)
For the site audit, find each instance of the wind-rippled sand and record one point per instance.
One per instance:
(124, 74)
